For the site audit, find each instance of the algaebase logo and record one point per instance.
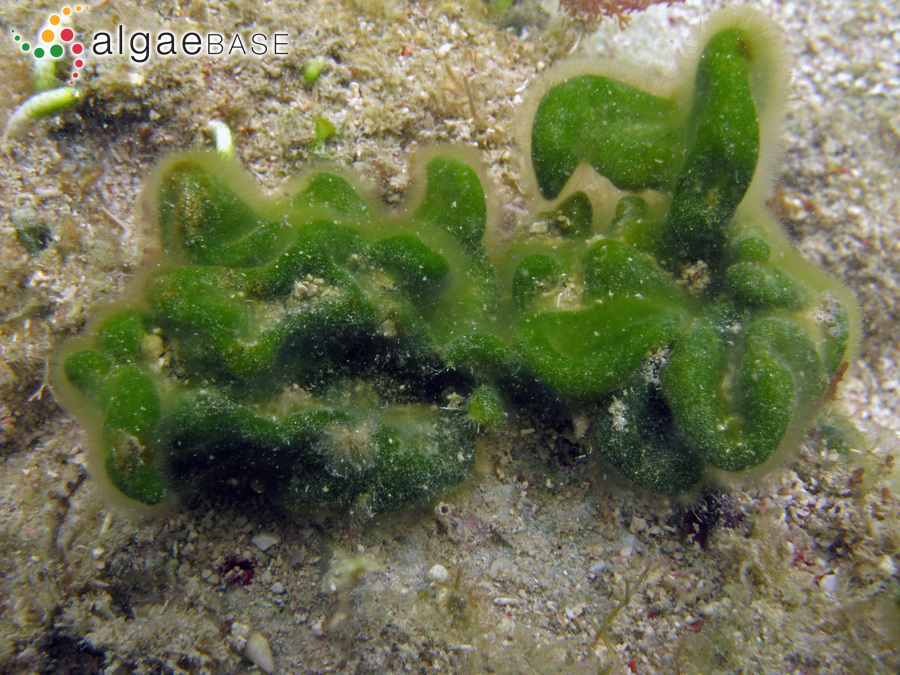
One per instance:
(56, 39)
(56, 49)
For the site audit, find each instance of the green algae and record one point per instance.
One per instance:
(315, 349)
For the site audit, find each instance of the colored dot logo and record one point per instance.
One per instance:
(55, 39)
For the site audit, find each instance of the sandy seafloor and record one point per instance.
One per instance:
(535, 565)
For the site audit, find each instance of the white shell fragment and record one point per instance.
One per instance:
(258, 651)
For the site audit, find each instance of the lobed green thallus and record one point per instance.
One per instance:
(317, 351)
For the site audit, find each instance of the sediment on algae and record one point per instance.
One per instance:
(326, 354)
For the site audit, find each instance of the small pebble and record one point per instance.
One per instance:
(829, 583)
(278, 588)
(438, 573)
(500, 567)
(318, 627)
(598, 568)
(887, 565)
(574, 612)
(506, 627)
(266, 540)
(239, 634)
